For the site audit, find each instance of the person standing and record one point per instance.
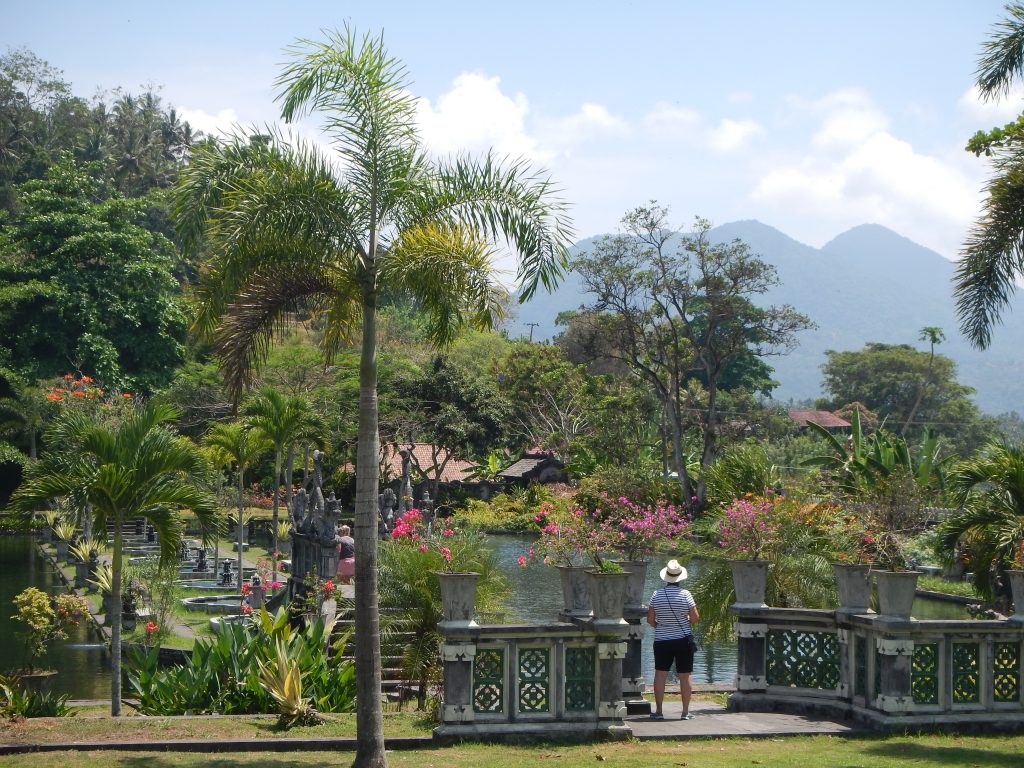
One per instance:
(672, 612)
(346, 555)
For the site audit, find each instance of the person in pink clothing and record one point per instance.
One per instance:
(346, 555)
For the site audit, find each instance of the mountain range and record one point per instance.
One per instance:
(868, 284)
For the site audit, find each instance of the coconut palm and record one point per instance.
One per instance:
(993, 257)
(235, 443)
(136, 469)
(989, 491)
(289, 227)
(279, 420)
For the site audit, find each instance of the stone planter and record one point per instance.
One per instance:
(575, 590)
(749, 579)
(1016, 579)
(854, 583)
(607, 594)
(896, 590)
(458, 598)
(62, 550)
(105, 603)
(637, 572)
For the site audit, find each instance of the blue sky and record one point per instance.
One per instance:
(809, 116)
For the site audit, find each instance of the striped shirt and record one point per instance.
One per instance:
(672, 612)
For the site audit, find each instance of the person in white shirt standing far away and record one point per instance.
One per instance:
(672, 612)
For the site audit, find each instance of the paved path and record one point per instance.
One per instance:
(711, 720)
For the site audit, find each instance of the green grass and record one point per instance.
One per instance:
(96, 725)
(938, 584)
(817, 751)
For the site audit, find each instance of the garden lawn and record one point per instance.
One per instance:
(823, 751)
(49, 730)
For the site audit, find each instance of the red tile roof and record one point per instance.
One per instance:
(455, 469)
(821, 418)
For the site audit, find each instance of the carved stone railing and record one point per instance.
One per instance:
(514, 681)
(889, 674)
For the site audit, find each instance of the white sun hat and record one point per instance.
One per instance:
(673, 573)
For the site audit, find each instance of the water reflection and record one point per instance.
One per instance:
(82, 661)
(537, 597)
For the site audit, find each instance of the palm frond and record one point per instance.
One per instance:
(448, 270)
(505, 202)
(1003, 54)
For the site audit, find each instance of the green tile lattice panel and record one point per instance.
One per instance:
(489, 681)
(803, 659)
(534, 679)
(1006, 672)
(966, 688)
(924, 673)
(579, 679)
(860, 666)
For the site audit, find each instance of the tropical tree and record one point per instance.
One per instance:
(993, 256)
(279, 420)
(234, 443)
(989, 521)
(139, 468)
(289, 227)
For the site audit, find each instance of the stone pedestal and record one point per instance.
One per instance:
(751, 641)
(633, 684)
(894, 657)
(309, 554)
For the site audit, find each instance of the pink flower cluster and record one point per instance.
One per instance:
(749, 528)
(638, 529)
(409, 526)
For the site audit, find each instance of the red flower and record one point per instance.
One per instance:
(127, 395)
(247, 609)
(329, 587)
(68, 377)
(87, 379)
(151, 627)
(78, 393)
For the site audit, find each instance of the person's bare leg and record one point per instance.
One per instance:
(659, 691)
(685, 690)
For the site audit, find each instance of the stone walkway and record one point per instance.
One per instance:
(713, 721)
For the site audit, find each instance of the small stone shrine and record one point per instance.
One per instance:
(314, 534)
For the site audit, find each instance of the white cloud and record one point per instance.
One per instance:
(991, 112)
(854, 170)
(221, 124)
(671, 121)
(475, 115)
(731, 135)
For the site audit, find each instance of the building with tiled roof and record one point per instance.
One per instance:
(824, 419)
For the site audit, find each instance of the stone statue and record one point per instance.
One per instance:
(327, 527)
(405, 501)
(226, 579)
(298, 508)
(427, 509)
(386, 507)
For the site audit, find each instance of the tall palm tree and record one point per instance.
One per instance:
(235, 443)
(137, 469)
(993, 257)
(280, 420)
(989, 492)
(289, 227)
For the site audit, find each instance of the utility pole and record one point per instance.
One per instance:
(532, 326)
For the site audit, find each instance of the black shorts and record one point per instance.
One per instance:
(679, 651)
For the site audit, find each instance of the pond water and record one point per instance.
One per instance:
(82, 661)
(537, 597)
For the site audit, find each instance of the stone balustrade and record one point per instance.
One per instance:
(522, 681)
(889, 674)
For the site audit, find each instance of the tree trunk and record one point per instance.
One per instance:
(288, 477)
(240, 532)
(678, 457)
(115, 621)
(369, 714)
(277, 504)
